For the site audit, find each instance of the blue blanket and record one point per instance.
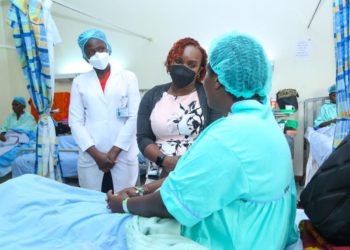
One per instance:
(38, 213)
(7, 158)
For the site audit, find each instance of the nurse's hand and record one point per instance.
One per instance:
(104, 164)
(101, 159)
(113, 153)
(114, 202)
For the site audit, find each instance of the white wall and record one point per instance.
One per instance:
(278, 24)
(5, 86)
(12, 80)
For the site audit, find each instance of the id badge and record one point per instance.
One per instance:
(123, 110)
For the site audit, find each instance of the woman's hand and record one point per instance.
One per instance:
(169, 164)
(114, 202)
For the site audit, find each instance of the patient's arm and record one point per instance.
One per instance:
(2, 136)
(153, 186)
(147, 206)
(327, 123)
(148, 188)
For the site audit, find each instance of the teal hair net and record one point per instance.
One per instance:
(92, 33)
(20, 100)
(241, 65)
(332, 89)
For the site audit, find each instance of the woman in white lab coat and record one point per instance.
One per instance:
(102, 116)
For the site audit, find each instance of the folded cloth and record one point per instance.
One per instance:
(157, 234)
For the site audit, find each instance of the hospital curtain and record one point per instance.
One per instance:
(341, 19)
(27, 20)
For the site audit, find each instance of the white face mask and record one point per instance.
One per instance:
(99, 60)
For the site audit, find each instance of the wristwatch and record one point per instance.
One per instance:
(160, 159)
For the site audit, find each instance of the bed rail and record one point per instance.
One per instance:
(312, 108)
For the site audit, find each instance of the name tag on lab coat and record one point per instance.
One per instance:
(123, 110)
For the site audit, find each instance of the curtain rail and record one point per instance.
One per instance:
(313, 15)
(118, 28)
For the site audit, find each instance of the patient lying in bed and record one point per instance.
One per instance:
(39, 213)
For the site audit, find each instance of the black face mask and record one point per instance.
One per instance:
(181, 75)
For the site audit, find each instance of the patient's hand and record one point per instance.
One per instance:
(2, 137)
(114, 202)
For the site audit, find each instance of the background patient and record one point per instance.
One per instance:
(16, 133)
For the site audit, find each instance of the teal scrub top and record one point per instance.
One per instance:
(328, 112)
(25, 122)
(234, 188)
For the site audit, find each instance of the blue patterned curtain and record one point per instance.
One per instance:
(26, 18)
(341, 11)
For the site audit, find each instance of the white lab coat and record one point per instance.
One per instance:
(105, 119)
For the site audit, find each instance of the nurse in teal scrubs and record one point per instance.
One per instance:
(234, 188)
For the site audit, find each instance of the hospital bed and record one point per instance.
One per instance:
(312, 108)
(67, 147)
(68, 155)
(39, 213)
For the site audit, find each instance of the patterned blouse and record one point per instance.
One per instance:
(176, 122)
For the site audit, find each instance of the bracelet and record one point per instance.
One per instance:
(140, 191)
(125, 205)
(159, 160)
